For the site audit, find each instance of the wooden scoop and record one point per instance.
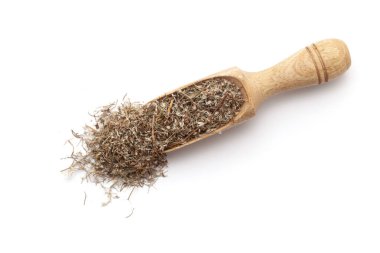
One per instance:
(315, 64)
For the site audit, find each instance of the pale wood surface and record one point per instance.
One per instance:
(313, 65)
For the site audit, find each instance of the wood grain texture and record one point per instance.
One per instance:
(312, 65)
(315, 64)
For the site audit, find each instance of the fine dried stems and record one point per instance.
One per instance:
(126, 145)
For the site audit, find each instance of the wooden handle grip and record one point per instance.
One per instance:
(315, 64)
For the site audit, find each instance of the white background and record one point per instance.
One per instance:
(302, 176)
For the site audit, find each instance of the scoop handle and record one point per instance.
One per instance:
(315, 64)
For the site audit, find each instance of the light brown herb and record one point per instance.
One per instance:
(126, 145)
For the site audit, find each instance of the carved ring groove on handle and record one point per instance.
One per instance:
(315, 64)
(322, 63)
(310, 51)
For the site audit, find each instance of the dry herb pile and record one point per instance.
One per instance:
(126, 145)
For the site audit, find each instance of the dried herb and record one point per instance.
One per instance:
(127, 143)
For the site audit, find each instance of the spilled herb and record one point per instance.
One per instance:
(127, 144)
